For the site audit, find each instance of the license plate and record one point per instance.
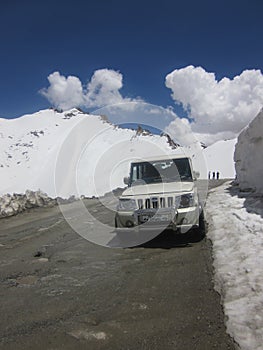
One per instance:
(155, 218)
(161, 217)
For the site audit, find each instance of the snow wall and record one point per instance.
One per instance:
(248, 156)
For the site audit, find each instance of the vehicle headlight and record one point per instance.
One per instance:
(127, 204)
(187, 200)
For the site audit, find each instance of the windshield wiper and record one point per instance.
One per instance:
(186, 177)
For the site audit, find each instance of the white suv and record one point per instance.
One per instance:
(161, 193)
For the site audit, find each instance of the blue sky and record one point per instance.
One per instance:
(144, 40)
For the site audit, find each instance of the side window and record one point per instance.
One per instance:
(134, 173)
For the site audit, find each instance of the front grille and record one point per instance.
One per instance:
(170, 202)
(147, 203)
(155, 203)
(162, 202)
(140, 203)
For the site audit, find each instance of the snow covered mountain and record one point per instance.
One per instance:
(74, 153)
(69, 153)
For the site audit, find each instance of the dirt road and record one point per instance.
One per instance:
(58, 291)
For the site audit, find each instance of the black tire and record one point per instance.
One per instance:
(117, 222)
(198, 233)
(202, 227)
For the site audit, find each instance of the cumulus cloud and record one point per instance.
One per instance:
(218, 109)
(103, 89)
(180, 130)
(64, 92)
(209, 139)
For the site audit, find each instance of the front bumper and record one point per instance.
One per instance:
(181, 219)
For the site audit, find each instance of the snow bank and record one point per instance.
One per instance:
(13, 204)
(220, 157)
(236, 231)
(248, 156)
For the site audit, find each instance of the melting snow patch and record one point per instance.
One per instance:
(88, 335)
(42, 260)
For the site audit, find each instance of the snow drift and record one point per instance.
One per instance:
(13, 204)
(248, 156)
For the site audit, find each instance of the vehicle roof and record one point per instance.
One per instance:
(160, 157)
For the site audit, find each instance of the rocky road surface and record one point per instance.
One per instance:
(59, 291)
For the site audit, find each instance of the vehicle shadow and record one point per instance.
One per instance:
(253, 202)
(168, 239)
(164, 240)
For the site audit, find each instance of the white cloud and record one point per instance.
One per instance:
(64, 92)
(180, 130)
(217, 108)
(103, 89)
(209, 139)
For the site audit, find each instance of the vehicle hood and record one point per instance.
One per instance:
(159, 188)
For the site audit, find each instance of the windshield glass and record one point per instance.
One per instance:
(167, 170)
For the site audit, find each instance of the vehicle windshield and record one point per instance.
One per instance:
(167, 170)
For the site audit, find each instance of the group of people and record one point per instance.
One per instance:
(213, 175)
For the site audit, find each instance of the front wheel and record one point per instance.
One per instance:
(117, 222)
(198, 233)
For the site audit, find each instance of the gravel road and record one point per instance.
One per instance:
(59, 291)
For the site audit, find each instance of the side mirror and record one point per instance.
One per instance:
(196, 175)
(126, 180)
